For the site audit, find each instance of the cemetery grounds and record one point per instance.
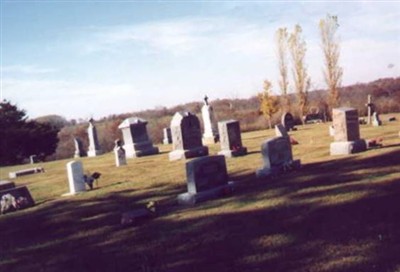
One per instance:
(337, 213)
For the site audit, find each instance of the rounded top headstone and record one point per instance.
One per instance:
(132, 121)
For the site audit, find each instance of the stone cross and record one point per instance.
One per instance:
(206, 100)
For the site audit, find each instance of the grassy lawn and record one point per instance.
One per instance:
(338, 213)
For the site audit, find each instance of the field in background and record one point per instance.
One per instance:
(334, 214)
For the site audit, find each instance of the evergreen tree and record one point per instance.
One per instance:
(20, 138)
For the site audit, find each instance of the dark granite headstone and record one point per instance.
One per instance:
(277, 156)
(288, 121)
(207, 177)
(231, 139)
(15, 199)
(5, 184)
(186, 137)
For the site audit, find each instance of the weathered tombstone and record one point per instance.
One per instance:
(79, 151)
(376, 122)
(167, 136)
(288, 121)
(370, 107)
(230, 139)
(331, 130)
(313, 118)
(94, 147)
(280, 131)
(15, 198)
(186, 137)
(5, 184)
(277, 157)
(136, 139)
(26, 172)
(347, 132)
(207, 178)
(33, 159)
(120, 155)
(75, 177)
(210, 134)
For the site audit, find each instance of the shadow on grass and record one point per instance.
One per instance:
(319, 223)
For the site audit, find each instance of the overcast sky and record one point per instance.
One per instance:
(83, 59)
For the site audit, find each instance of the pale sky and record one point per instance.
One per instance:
(83, 59)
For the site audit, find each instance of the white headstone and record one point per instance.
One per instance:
(376, 122)
(210, 134)
(75, 177)
(120, 155)
(331, 131)
(94, 147)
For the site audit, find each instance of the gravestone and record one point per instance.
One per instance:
(277, 157)
(231, 139)
(33, 159)
(16, 198)
(79, 151)
(280, 131)
(207, 178)
(347, 132)
(210, 134)
(186, 137)
(288, 121)
(5, 184)
(331, 131)
(120, 155)
(75, 178)
(24, 172)
(370, 107)
(136, 139)
(94, 147)
(376, 122)
(167, 136)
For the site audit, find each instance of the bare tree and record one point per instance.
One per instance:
(281, 36)
(330, 45)
(298, 49)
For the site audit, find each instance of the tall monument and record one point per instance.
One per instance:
(94, 147)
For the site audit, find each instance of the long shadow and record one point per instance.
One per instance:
(295, 234)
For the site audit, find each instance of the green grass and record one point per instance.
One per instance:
(334, 214)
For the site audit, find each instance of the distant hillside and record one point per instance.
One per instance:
(385, 93)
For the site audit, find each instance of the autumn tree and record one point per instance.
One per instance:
(298, 49)
(281, 37)
(330, 46)
(268, 102)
